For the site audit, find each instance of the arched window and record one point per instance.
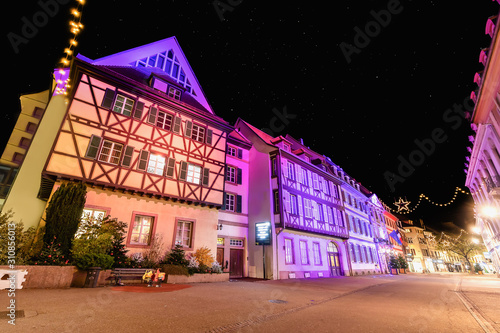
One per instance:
(332, 247)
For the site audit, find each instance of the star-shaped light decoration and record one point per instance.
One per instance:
(402, 205)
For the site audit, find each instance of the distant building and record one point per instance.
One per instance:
(483, 165)
(32, 109)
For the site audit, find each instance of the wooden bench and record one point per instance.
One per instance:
(119, 274)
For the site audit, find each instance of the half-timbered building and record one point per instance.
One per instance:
(139, 131)
(362, 249)
(376, 211)
(296, 190)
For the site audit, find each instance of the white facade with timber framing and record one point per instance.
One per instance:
(294, 188)
(140, 133)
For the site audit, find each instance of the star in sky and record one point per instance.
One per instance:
(402, 205)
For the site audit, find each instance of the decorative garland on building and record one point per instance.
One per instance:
(403, 205)
(76, 26)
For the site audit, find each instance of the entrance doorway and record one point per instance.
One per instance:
(220, 256)
(236, 263)
(334, 260)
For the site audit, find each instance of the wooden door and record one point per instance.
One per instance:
(235, 263)
(334, 262)
(220, 256)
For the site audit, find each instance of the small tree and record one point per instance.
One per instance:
(394, 262)
(63, 214)
(14, 240)
(462, 245)
(402, 262)
(176, 256)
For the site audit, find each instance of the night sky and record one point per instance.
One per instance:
(364, 101)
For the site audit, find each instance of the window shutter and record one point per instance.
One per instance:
(189, 126)
(206, 176)
(177, 125)
(223, 201)
(139, 108)
(93, 148)
(152, 115)
(143, 160)
(183, 170)
(299, 205)
(240, 153)
(239, 176)
(170, 167)
(208, 139)
(286, 199)
(238, 204)
(107, 101)
(127, 156)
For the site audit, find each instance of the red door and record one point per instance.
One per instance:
(235, 263)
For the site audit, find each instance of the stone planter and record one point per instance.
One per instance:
(198, 278)
(402, 271)
(46, 276)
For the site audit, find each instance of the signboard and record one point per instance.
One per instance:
(263, 233)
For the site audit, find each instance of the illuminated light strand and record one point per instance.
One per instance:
(423, 196)
(76, 27)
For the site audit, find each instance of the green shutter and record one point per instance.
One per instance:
(107, 101)
(170, 167)
(240, 153)
(206, 174)
(189, 127)
(238, 204)
(183, 170)
(127, 157)
(208, 139)
(139, 108)
(223, 201)
(177, 125)
(143, 160)
(93, 148)
(152, 115)
(239, 176)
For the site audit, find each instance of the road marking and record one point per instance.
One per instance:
(473, 309)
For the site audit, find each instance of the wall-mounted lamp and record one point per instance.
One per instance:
(219, 226)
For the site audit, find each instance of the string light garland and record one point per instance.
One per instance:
(76, 26)
(403, 205)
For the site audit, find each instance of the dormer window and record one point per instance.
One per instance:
(286, 147)
(174, 93)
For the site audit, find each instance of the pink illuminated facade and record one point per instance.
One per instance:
(483, 165)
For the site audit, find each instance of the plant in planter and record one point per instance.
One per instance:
(403, 265)
(394, 263)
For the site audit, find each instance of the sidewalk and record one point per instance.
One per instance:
(198, 308)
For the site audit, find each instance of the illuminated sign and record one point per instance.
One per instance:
(263, 233)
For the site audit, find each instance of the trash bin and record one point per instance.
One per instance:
(92, 277)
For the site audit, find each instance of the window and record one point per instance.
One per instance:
(273, 167)
(234, 175)
(90, 216)
(123, 105)
(353, 254)
(233, 151)
(315, 181)
(233, 202)
(230, 202)
(156, 164)
(184, 233)
(164, 120)
(174, 93)
(195, 132)
(294, 209)
(321, 215)
(24, 142)
(291, 170)
(141, 230)
(289, 251)
(110, 152)
(31, 127)
(193, 174)
(18, 158)
(326, 187)
(303, 178)
(236, 242)
(317, 254)
(357, 254)
(410, 240)
(304, 257)
(330, 215)
(286, 147)
(307, 208)
(38, 112)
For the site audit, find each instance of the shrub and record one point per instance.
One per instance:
(177, 256)
(175, 270)
(204, 256)
(24, 240)
(95, 259)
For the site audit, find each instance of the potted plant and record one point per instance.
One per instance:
(403, 265)
(395, 265)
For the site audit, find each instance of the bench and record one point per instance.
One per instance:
(119, 274)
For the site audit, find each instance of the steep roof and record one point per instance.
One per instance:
(164, 59)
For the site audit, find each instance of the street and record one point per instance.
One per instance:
(384, 303)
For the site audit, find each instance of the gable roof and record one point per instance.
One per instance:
(164, 58)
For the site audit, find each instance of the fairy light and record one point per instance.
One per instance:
(425, 197)
(75, 26)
